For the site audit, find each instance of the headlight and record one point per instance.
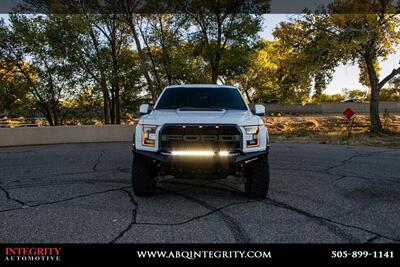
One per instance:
(254, 131)
(149, 135)
(251, 129)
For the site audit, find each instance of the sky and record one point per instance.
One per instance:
(345, 76)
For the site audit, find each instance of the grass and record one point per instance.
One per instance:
(325, 129)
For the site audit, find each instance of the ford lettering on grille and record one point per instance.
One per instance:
(200, 138)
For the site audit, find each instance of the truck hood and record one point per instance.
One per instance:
(237, 117)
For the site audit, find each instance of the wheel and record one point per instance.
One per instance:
(143, 182)
(257, 179)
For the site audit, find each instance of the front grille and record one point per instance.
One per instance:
(200, 137)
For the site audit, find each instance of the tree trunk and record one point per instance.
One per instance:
(106, 98)
(102, 81)
(112, 107)
(48, 116)
(106, 107)
(376, 125)
(218, 53)
(319, 86)
(117, 106)
(214, 74)
(165, 56)
(246, 92)
(115, 83)
(142, 59)
(153, 64)
(214, 64)
(45, 109)
(55, 117)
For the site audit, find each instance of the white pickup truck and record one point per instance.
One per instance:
(201, 131)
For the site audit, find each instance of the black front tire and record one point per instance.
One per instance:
(143, 182)
(257, 179)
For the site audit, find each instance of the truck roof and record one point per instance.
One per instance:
(201, 86)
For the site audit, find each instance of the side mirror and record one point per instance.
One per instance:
(259, 110)
(145, 109)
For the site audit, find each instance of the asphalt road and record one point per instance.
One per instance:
(82, 193)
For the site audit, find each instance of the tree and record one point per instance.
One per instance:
(97, 45)
(260, 81)
(162, 35)
(116, 35)
(277, 70)
(331, 98)
(375, 36)
(395, 83)
(357, 94)
(218, 29)
(83, 45)
(364, 33)
(311, 57)
(127, 10)
(13, 89)
(390, 94)
(48, 76)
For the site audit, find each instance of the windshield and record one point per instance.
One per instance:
(201, 98)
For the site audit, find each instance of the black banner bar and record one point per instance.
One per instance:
(195, 6)
(199, 254)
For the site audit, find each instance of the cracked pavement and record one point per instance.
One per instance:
(81, 193)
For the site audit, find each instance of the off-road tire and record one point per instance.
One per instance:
(257, 179)
(143, 183)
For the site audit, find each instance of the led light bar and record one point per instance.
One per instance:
(223, 153)
(199, 153)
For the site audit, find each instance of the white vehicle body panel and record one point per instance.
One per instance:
(237, 117)
(241, 118)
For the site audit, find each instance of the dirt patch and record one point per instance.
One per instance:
(332, 130)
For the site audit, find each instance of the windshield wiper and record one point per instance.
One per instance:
(188, 108)
(201, 108)
(169, 107)
(219, 107)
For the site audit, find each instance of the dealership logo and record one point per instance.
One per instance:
(32, 254)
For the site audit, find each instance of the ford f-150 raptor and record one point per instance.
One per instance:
(201, 131)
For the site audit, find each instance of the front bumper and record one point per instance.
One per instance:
(238, 158)
(203, 167)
